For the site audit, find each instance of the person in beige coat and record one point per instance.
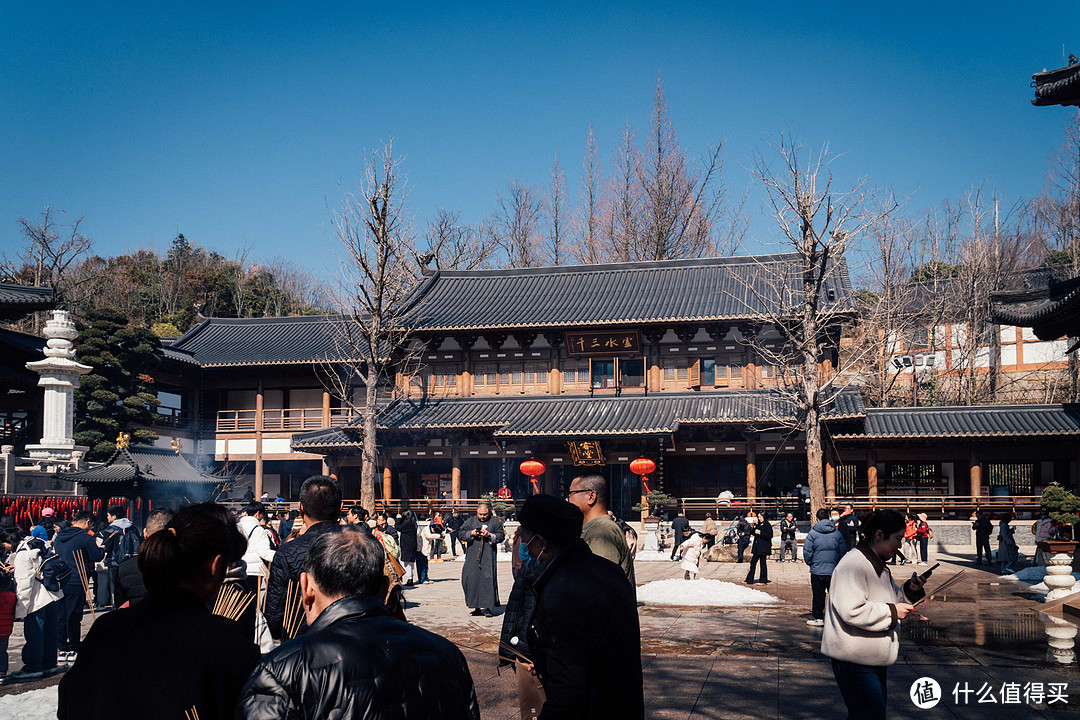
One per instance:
(865, 608)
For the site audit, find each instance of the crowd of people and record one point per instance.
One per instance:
(265, 613)
(217, 614)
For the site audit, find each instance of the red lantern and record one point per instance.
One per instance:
(532, 468)
(643, 466)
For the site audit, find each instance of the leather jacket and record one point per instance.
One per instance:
(356, 661)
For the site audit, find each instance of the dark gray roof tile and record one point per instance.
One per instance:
(584, 416)
(1005, 421)
(699, 290)
(146, 463)
(305, 339)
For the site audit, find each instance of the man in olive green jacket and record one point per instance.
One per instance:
(589, 491)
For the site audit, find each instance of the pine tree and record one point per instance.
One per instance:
(118, 396)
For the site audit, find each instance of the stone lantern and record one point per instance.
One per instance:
(60, 378)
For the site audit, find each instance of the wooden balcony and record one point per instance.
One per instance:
(282, 420)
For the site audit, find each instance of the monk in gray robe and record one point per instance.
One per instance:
(481, 535)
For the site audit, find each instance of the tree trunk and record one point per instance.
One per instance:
(815, 470)
(370, 450)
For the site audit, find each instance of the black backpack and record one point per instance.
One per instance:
(53, 572)
(123, 544)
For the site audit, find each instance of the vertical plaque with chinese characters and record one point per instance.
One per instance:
(586, 452)
(603, 343)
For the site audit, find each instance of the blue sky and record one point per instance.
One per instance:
(235, 123)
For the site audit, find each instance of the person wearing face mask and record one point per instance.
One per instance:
(573, 616)
(481, 535)
(822, 550)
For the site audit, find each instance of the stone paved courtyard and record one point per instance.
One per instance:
(764, 662)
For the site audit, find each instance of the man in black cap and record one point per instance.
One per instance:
(581, 625)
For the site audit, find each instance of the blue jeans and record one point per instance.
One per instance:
(864, 688)
(40, 629)
(924, 544)
(421, 567)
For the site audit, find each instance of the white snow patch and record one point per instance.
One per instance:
(702, 591)
(33, 705)
(1029, 574)
(1035, 576)
(653, 556)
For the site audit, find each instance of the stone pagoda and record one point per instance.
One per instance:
(59, 377)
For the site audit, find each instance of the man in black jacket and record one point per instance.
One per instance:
(583, 630)
(982, 527)
(788, 526)
(78, 549)
(679, 526)
(320, 506)
(453, 524)
(356, 661)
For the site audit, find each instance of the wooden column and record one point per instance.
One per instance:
(455, 477)
(871, 475)
(325, 409)
(830, 477)
(258, 441)
(387, 486)
(655, 374)
(975, 474)
(751, 471)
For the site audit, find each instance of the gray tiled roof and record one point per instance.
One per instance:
(584, 416)
(18, 300)
(145, 463)
(1057, 87)
(1005, 421)
(1052, 311)
(691, 291)
(305, 339)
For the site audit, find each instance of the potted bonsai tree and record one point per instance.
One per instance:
(1063, 508)
(655, 500)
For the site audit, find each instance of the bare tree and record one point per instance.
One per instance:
(515, 227)
(554, 214)
(48, 252)
(587, 243)
(453, 245)
(680, 204)
(802, 301)
(372, 228)
(622, 224)
(886, 300)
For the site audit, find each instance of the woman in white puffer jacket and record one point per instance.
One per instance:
(865, 607)
(41, 610)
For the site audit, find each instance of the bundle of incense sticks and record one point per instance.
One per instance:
(945, 585)
(232, 602)
(191, 714)
(481, 630)
(80, 567)
(294, 611)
